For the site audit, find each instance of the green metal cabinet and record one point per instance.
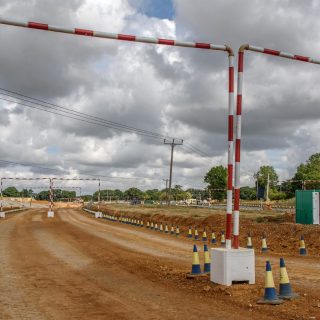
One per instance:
(307, 206)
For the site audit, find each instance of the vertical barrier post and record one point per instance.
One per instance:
(167, 42)
(1, 196)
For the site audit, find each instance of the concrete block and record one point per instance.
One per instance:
(98, 215)
(232, 265)
(50, 214)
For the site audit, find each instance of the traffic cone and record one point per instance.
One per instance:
(196, 268)
(137, 223)
(196, 234)
(223, 239)
(249, 242)
(156, 227)
(213, 237)
(302, 249)
(270, 293)
(151, 226)
(172, 229)
(177, 231)
(285, 291)
(189, 233)
(204, 235)
(207, 263)
(264, 247)
(166, 230)
(148, 225)
(161, 227)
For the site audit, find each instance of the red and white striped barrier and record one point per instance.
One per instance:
(277, 53)
(167, 42)
(27, 179)
(82, 179)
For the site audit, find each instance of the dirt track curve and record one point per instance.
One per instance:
(76, 267)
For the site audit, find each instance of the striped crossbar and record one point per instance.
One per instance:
(277, 53)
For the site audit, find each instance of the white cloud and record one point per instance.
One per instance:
(174, 91)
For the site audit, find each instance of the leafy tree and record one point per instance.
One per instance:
(216, 177)
(134, 193)
(43, 195)
(153, 194)
(248, 193)
(11, 192)
(262, 176)
(25, 193)
(86, 197)
(277, 195)
(309, 171)
(178, 193)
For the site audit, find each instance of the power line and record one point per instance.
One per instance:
(42, 105)
(80, 115)
(81, 172)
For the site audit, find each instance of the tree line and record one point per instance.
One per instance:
(42, 195)
(306, 176)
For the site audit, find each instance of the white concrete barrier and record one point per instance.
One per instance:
(97, 214)
(232, 265)
(50, 214)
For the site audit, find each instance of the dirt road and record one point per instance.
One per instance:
(76, 267)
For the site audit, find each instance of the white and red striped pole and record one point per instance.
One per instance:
(51, 196)
(168, 42)
(82, 179)
(27, 179)
(242, 49)
(1, 196)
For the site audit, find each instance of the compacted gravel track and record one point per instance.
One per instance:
(76, 267)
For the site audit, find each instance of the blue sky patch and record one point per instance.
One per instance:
(53, 150)
(162, 9)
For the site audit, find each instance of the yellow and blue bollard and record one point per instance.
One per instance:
(207, 263)
(285, 291)
(302, 248)
(177, 231)
(249, 241)
(264, 247)
(270, 293)
(189, 233)
(196, 234)
(213, 237)
(204, 235)
(196, 268)
(223, 239)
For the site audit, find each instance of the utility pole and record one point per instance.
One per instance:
(166, 180)
(173, 143)
(268, 181)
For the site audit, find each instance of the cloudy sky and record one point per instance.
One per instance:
(176, 92)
